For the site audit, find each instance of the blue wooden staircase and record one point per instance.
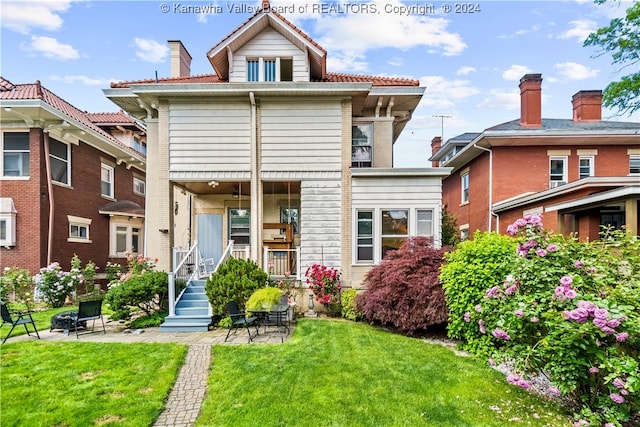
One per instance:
(192, 311)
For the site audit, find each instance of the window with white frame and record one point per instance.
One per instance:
(585, 166)
(364, 236)
(60, 160)
(139, 186)
(464, 233)
(464, 187)
(634, 165)
(7, 222)
(395, 229)
(362, 145)
(125, 236)
(240, 226)
(15, 154)
(424, 222)
(270, 69)
(106, 180)
(78, 229)
(557, 171)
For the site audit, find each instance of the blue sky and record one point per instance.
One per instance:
(470, 62)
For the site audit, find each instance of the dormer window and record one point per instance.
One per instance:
(270, 70)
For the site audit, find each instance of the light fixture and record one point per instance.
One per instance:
(175, 208)
(213, 183)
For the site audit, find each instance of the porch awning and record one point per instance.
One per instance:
(122, 207)
(617, 194)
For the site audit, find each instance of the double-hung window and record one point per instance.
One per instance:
(364, 237)
(557, 171)
(424, 222)
(139, 186)
(464, 187)
(239, 226)
(106, 180)
(362, 145)
(15, 154)
(634, 165)
(59, 157)
(585, 166)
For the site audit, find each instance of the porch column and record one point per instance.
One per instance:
(631, 215)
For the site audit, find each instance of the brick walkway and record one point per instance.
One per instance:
(189, 390)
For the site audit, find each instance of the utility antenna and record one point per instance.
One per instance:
(442, 117)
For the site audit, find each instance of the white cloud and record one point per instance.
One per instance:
(51, 48)
(396, 61)
(579, 30)
(465, 70)
(444, 93)
(350, 36)
(575, 71)
(515, 72)
(150, 50)
(501, 100)
(87, 81)
(23, 16)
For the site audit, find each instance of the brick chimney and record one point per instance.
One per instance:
(531, 100)
(436, 143)
(587, 105)
(180, 59)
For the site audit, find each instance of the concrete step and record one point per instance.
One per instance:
(192, 311)
(186, 323)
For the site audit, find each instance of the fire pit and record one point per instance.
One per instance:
(64, 320)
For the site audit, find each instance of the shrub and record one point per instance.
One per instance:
(469, 271)
(151, 321)
(404, 291)
(17, 282)
(263, 297)
(235, 280)
(348, 307)
(146, 292)
(54, 285)
(571, 311)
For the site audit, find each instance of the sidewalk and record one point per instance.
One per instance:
(187, 394)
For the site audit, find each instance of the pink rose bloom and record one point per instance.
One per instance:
(622, 336)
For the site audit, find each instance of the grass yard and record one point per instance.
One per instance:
(343, 374)
(85, 384)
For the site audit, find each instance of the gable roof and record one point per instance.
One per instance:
(266, 17)
(35, 91)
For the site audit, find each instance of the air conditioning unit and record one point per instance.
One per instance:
(554, 184)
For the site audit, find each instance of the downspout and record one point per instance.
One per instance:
(254, 178)
(47, 164)
(491, 213)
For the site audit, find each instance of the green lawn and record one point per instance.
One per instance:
(337, 373)
(85, 384)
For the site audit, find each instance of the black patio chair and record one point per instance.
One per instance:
(22, 319)
(88, 310)
(240, 321)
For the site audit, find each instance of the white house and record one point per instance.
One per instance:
(270, 139)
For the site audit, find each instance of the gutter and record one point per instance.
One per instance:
(254, 177)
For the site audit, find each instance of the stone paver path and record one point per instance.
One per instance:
(189, 390)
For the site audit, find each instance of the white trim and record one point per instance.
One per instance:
(596, 198)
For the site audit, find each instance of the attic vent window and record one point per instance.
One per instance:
(270, 70)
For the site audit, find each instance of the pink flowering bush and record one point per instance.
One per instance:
(570, 310)
(324, 283)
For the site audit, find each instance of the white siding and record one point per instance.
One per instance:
(401, 192)
(268, 44)
(301, 136)
(209, 137)
(320, 220)
(410, 193)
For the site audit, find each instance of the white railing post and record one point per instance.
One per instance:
(298, 266)
(172, 294)
(265, 259)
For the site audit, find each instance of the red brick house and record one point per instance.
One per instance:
(579, 174)
(70, 182)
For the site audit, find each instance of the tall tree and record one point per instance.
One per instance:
(621, 38)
